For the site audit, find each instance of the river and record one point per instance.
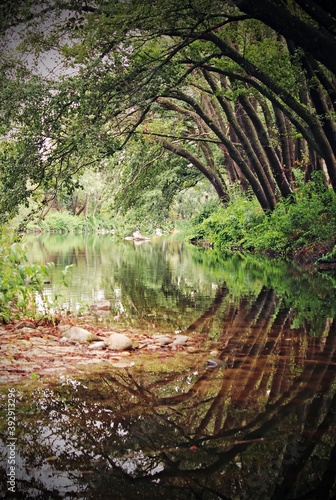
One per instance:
(259, 424)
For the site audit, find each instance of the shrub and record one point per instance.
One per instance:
(307, 222)
(68, 223)
(19, 281)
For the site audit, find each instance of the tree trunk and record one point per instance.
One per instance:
(96, 203)
(81, 210)
(279, 176)
(312, 39)
(86, 206)
(252, 157)
(234, 153)
(74, 202)
(211, 176)
(285, 147)
(50, 205)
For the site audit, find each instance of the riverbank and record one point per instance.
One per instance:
(301, 229)
(320, 256)
(35, 350)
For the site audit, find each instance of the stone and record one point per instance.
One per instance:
(63, 328)
(80, 334)
(137, 236)
(104, 305)
(119, 342)
(25, 324)
(162, 339)
(101, 313)
(98, 345)
(26, 330)
(192, 349)
(181, 340)
(121, 364)
(215, 363)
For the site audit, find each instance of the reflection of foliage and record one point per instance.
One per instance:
(260, 427)
(167, 285)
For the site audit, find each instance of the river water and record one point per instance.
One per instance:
(259, 423)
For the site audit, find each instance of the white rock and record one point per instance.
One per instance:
(119, 342)
(26, 330)
(80, 335)
(181, 340)
(63, 328)
(98, 345)
(162, 339)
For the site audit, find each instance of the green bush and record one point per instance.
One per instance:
(19, 281)
(68, 223)
(22, 284)
(308, 222)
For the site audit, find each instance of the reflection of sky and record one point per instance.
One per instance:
(45, 474)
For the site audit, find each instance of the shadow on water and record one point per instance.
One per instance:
(257, 422)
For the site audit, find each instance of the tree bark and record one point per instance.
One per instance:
(211, 176)
(234, 153)
(74, 202)
(252, 157)
(49, 207)
(279, 176)
(96, 203)
(86, 206)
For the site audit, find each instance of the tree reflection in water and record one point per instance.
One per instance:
(261, 426)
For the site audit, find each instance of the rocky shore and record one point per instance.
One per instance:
(34, 349)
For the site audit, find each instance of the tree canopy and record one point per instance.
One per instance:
(241, 91)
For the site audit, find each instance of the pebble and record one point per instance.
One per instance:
(121, 364)
(181, 340)
(215, 363)
(119, 342)
(192, 349)
(80, 334)
(162, 339)
(63, 328)
(98, 345)
(26, 330)
(25, 324)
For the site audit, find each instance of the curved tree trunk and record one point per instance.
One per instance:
(258, 168)
(211, 176)
(279, 176)
(234, 153)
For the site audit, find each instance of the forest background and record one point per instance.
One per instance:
(130, 115)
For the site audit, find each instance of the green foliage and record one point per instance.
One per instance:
(68, 223)
(144, 184)
(308, 222)
(20, 282)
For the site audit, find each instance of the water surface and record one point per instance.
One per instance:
(261, 425)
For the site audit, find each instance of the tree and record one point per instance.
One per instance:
(215, 64)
